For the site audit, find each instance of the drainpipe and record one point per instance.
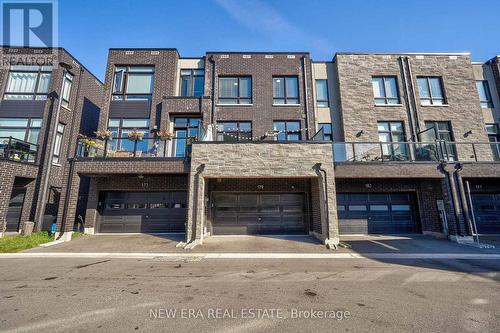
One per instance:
(409, 102)
(463, 198)
(40, 207)
(452, 190)
(306, 96)
(414, 97)
(317, 166)
(212, 114)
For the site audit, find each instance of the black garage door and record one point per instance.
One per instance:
(487, 213)
(376, 213)
(149, 212)
(247, 214)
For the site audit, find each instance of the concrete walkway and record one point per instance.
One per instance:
(135, 246)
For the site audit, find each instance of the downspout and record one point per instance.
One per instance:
(306, 97)
(463, 198)
(71, 161)
(454, 198)
(212, 114)
(41, 204)
(409, 102)
(414, 98)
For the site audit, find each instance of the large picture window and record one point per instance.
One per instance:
(235, 90)
(234, 131)
(287, 130)
(133, 83)
(28, 82)
(25, 129)
(285, 90)
(391, 132)
(120, 127)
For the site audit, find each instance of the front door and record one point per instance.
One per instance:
(15, 209)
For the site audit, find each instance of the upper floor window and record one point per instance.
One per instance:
(24, 129)
(192, 82)
(285, 90)
(327, 131)
(56, 158)
(133, 83)
(28, 82)
(390, 132)
(287, 130)
(493, 131)
(66, 92)
(234, 131)
(483, 88)
(385, 90)
(120, 127)
(441, 130)
(322, 94)
(431, 90)
(235, 90)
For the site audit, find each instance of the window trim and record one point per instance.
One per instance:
(431, 98)
(239, 97)
(35, 93)
(327, 94)
(386, 99)
(285, 97)
(124, 82)
(191, 84)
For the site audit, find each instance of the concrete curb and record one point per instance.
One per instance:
(252, 255)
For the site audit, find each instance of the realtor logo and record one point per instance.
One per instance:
(29, 23)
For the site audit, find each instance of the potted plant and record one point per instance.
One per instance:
(105, 136)
(135, 135)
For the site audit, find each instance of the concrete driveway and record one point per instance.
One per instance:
(144, 243)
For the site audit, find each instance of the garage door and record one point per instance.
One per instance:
(148, 212)
(487, 212)
(247, 214)
(376, 213)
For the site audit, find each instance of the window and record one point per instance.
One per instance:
(235, 90)
(327, 131)
(184, 129)
(192, 82)
(483, 88)
(234, 131)
(28, 82)
(441, 130)
(322, 94)
(285, 90)
(287, 130)
(392, 131)
(66, 92)
(133, 83)
(120, 127)
(494, 137)
(385, 90)
(431, 90)
(56, 158)
(25, 129)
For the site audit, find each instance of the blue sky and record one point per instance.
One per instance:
(88, 28)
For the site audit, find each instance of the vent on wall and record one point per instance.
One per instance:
(247, 56)
(387, 56)
(453, 57)
(155, 52)
(37, 51)
(224, 56)
(269, 56)
(290, 56)
(129, 52)
(420, 57)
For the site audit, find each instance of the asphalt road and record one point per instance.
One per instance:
(250, 295)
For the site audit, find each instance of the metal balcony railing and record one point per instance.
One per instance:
(416, 151)
(126, 148)
(17, 150)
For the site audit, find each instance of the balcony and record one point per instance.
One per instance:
(17, 150)
(126, 148)
(425, 152)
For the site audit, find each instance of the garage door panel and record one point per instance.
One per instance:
(487, 212)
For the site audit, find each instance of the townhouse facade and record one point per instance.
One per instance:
(275, 143)
(45, 93)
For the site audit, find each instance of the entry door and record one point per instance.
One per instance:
(15, 209)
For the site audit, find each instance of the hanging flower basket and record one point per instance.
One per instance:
(103, 135)
(135, 135)
(165, 135)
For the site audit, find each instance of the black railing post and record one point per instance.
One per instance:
(353, 151)
(381, 151)
(135, 147)
(9, 145)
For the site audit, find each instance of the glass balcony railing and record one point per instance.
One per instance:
(126, 148)
(17, 150)
(416, 151)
